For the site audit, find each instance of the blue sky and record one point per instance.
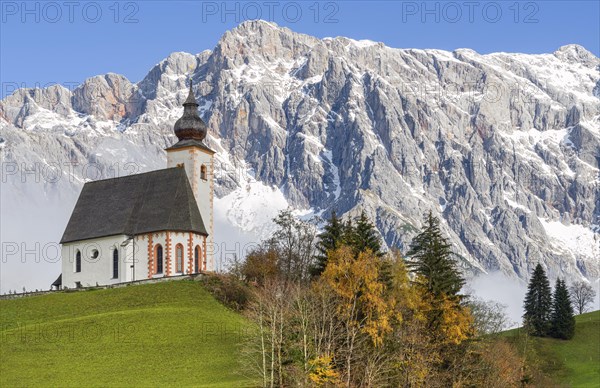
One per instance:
(47, 42)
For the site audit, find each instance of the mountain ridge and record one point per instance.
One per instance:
(503, 147)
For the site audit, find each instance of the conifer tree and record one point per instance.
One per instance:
(329, 240)
(347, 231)
(364, 236)
(538, 303)
(562, 322)
(431, 258)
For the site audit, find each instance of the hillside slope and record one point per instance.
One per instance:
(574, 363)
(163, 334)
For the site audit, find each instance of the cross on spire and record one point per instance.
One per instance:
(191, 99)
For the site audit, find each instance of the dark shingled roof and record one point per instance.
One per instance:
(135, 204)
(58, 281)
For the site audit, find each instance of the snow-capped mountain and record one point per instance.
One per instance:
(505, 148)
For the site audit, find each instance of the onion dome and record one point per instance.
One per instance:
(190, 126)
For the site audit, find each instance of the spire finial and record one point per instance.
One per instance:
(190, 126)
(191, 99)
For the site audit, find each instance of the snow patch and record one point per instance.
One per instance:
(515, 204)
(575, 238)
(205, 107)
(335, 171)
(252, 206)
(363, 43)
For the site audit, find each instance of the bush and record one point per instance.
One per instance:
(227, 289)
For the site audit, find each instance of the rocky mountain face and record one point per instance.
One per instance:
(504, 148)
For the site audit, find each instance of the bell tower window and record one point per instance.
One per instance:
(203, 172)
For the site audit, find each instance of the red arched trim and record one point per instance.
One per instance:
(158, 259)
(197, 259)
(179, 258)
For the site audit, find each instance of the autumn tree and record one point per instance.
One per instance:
(369, 319)
(323, 373)
(297, 336)
(582, 295)
(489, 362)
(538, 303)
(362, 307)
(261, 264)
(409, 344)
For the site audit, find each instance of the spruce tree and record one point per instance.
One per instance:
(329, 240)
(360, 236)
(347, 231)
(364, 236)
(431, 258)
(538, 303)
(562, 322)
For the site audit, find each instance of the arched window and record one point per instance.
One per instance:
(78, 261)
(115, 263)
(158, 257)
(197, 259)
(203, 172)
(179, 258)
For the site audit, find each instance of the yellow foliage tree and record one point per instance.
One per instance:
(455, 322)
(414, 355)
(356, 282)
(323, 373)
(362, 306)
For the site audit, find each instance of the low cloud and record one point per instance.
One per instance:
(500, 288)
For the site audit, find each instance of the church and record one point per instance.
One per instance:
(150, 225)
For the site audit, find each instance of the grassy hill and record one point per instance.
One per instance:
(574, 363)
(168, 333)
(176, 334)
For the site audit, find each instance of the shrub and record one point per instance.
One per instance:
(227, 289)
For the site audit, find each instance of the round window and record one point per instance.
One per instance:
(95, 254)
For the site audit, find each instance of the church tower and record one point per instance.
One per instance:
(191, 153)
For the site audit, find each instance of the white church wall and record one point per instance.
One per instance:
(131, 259)
(97, 270)
(146, 246)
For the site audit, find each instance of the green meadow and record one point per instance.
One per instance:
(163, 334)
(573, 363)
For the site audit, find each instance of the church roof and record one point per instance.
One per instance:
(58, 281)
(136, 204)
